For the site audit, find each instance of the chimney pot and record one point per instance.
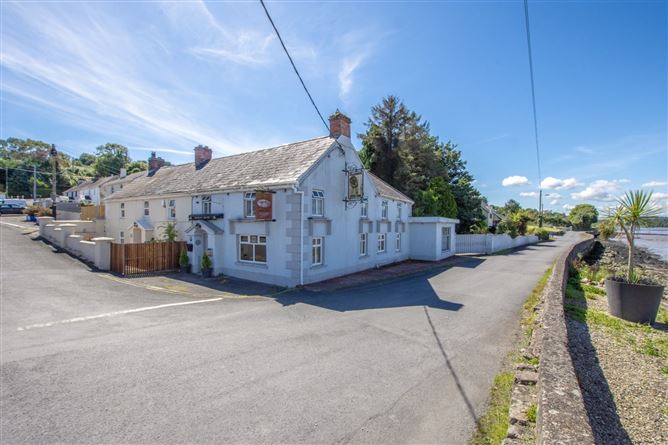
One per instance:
(202, 156)
(339, 125)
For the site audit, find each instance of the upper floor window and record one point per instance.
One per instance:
(399, 210)
(249, 204)
(122, 210)
(206, 205)
(383, 210)
(318, 203)
(171, 210)
(122, 238)
(146, 210)
(364, 210)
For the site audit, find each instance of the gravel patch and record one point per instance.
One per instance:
(625, 388)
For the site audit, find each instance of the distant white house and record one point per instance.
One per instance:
(288, 215)
(491, 216)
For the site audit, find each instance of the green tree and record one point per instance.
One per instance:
(437, 200)
(380, 143)
(110, 159)
(137, 166)
(87, 159)
(582, 216)
(511, 207)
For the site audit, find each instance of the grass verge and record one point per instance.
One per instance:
(492, 426)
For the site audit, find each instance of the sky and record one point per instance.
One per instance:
(167, 76)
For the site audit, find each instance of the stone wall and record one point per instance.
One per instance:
(562, 417)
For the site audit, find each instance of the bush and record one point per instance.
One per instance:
(542, 234)
(508, 226)
(183, 258)
(606, 228)
(32, 210)
(206, 262)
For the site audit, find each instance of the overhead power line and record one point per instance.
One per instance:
(287, 53)
(533, 89)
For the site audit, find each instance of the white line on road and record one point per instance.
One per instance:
(13, 225)
(113, 314)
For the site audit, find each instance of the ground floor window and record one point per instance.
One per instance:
(398, 242)
(253, 248)
(445, 238)
(316, 251)
(363, 244)
(381, 242)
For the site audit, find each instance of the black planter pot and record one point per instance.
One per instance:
(633, 302)
(184, 269)
(206, 273)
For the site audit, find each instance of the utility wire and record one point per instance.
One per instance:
(280, 39)
(533, 89)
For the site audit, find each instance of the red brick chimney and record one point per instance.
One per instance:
(339, 124)
(155, 162)
(202, 156)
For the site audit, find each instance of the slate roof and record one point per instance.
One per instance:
(271, 167)
(387, 191)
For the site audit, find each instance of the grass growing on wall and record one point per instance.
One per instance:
(492, 426)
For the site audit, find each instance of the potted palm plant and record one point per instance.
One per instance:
(207, 266)
(184, 263)
(631, 297)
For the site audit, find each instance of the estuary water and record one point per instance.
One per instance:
(654, 239)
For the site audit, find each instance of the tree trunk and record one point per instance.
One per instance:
(631, 252)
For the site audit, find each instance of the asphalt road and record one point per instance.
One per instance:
(410, 361)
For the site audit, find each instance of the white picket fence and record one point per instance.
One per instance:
(490, 243)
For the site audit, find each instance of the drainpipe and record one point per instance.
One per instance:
(301, 233)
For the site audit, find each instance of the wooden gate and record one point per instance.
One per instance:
(136, 259)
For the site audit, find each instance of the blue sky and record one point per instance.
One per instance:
(168, 76)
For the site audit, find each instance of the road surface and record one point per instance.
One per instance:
(409, 361)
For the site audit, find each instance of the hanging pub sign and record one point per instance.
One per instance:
(263, 205)
(355, 185)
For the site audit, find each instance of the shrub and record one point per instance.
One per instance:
(206, 262)
(508, 226)
(170, 234)
(542, 234)
(606, 228)
(31, 210)
(44, 211)
(183, 258)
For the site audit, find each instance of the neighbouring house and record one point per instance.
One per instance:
(491, 216)
(288, 215)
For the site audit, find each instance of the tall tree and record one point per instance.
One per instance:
(582, 216)
(380, 144)
(110, 159)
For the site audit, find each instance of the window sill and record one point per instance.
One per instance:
(251, 220)
(252, 264)
(381, 252)
(318, 218)
(317, 266)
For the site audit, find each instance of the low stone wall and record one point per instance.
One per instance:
(77, 238)
(562, 417)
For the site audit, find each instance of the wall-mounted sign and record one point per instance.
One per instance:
(355, 185)
(263, 206)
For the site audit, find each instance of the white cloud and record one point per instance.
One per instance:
(348, 67)
(529, 194)
(600, 190)
(92, 69)
(568, 207)
(511, 181)
(655, 184)
(659, 196)
(554, 201)
(556, 183)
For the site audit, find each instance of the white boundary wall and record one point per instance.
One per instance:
(489, 243)
(69, 236)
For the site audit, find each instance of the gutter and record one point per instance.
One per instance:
(301, 233)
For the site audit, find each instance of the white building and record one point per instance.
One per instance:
(289, 215)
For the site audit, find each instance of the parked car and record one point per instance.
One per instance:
(11, 209)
